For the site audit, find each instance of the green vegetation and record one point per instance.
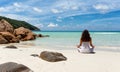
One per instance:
(17, 23)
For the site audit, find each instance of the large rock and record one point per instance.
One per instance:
(52, 56)
(5, 26)
(13, 67)
(9, 37)
(24, 34)
(3, 40)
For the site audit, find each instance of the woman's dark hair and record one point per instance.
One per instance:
(85, 36)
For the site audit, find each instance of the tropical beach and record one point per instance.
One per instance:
(59, 36)
(105, 59)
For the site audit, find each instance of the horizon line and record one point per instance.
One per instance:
(76, 31)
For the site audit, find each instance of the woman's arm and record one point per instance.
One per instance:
(91, 44)
(79, 44)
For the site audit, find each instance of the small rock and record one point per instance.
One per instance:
(35, 55)
(40, 35)
(52, 56)
(11, 47)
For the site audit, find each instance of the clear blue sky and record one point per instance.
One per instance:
(65, 14)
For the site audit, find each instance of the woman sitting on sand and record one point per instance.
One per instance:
(85, 43)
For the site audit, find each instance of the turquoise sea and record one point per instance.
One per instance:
(104, 41)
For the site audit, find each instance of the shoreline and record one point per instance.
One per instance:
(101, 61)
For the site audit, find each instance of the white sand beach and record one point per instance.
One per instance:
(101, 61)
